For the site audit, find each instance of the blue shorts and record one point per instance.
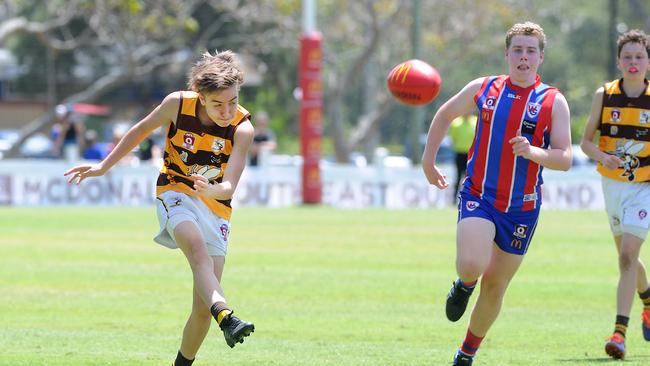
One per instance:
(514, 230)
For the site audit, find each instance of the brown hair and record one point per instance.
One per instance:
(527, 29)
(633, 36)
(215, 72)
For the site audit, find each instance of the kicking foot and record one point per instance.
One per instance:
(235, 329)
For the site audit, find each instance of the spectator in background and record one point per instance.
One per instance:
(118, 132)
(145, 150)
(264, 139)
(461, 132)
(93, 150)
(67, 134)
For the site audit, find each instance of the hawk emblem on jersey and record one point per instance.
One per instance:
(627, 151)
(218, 144)
(532, 109)
(188, 141)
(643, 214)
(615, 116)
(471, 205)
(644, 117)
(211, 173)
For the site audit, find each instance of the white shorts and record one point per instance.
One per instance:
(628, 207)
(175, 207)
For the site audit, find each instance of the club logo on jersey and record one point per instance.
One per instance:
(644, 117)
(615, 115)
(643, 214)
(490, 103)
(188, 141)
(471, 205)
(225, 230)
(218, 144)
(521, 231)
(532, 109)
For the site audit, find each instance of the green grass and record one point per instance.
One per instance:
(87, 286)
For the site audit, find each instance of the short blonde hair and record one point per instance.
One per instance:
(215, 72)
(526, 29)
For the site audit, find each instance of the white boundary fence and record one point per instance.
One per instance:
(41, 183)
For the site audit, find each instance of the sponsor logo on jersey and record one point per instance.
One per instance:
(644, 117)
(530, 197)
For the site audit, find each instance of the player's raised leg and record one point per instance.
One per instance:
(206, 283)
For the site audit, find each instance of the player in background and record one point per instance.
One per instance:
(620, 111)
(523, 126)
(208, 138)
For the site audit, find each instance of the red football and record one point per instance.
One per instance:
(414, 82)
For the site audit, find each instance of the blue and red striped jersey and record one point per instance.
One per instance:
(509, 183)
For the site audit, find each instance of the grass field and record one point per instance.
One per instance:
(87, 286)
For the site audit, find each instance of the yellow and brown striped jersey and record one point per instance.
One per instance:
(194, 148)
(625, 132)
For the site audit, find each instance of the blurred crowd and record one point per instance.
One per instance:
(72, 140)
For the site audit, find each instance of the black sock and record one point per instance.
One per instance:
(645, 295)
(217, 308)
(182, 361)
(621, 324)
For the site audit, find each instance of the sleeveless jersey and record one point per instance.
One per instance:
(193, 148)
(625, 132)
(494, 173)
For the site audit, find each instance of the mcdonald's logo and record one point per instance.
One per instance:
(515, 243)
(401, 71)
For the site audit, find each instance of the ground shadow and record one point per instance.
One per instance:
(594, 360)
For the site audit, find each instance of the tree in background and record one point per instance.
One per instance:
(118, 51)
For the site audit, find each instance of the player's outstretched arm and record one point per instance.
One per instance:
(587, 144)
(460, 104)
(243, 140)
(162, 115)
